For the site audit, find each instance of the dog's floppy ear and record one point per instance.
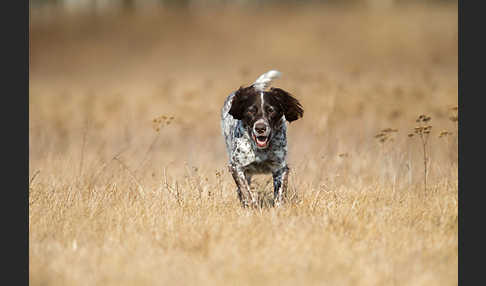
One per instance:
(240, 102)
(291, 107)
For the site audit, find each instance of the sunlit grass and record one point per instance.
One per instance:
(128, 179)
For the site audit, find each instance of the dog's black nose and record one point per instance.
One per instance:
(260, 128)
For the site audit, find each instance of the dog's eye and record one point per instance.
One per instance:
(252, 109)
(270, 109)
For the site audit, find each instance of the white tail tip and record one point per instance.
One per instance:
(266, 79)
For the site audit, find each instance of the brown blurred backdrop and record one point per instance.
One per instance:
(130, 61)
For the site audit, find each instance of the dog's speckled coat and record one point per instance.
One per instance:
(245, 159)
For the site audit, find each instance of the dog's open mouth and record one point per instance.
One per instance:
(261, 141)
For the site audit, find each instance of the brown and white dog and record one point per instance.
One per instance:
(253, 121)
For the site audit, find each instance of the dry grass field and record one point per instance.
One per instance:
(128, 184)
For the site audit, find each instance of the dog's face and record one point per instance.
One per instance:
(261, 111)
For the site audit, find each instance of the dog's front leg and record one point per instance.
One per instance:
(244, 192)
(280, 178)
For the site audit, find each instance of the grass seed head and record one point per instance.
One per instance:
(386, 135)
(160, 121)
(445, 133)
(423, 118)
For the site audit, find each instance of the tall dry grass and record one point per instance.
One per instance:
(128, 183)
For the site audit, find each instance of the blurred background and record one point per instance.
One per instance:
(103, 73)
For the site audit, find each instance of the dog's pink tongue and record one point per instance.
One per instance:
(261, 143)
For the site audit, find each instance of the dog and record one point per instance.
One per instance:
(253, 123)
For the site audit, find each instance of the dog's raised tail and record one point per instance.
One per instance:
(266, 79)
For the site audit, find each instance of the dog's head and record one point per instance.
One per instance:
(262, 111)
